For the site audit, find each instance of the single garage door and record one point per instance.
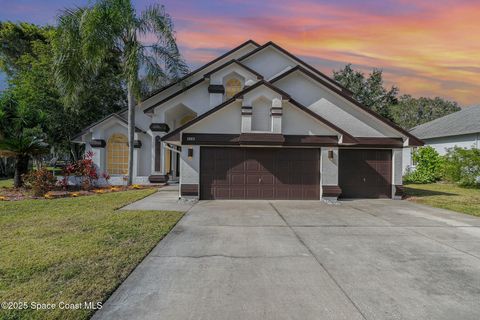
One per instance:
(259, 173)
(365, 173)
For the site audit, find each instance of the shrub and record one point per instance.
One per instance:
(428, 166)
(84, 169)
(462, 166)
(40, 181)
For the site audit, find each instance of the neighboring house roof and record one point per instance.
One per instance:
(200, 69)
(461, 122)
(113, 115)
(414, 140)
(347, 137)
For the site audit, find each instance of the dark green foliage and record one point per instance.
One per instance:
(32, 99)
(411, 112)
(428, 166)
(369, 91)
(462, 166)
(405, 111)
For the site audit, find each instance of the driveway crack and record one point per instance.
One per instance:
(318, 261)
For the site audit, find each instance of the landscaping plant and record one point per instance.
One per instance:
(462, 166)
(40, 181)
(84, 170)
(428, 166)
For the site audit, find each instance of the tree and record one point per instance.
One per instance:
(26, 55)
(369, 91)
(22, 148)
(88, 37)
(411, 112)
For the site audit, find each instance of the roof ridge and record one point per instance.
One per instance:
(155, 92)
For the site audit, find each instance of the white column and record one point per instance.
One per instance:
(276, 115)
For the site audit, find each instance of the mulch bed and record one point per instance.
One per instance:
(13, 194)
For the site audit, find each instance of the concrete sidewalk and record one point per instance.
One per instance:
(166, 199)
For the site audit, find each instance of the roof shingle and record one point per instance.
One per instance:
(461, 122)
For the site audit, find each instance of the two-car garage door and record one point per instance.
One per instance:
(259, 173)
(294, 174)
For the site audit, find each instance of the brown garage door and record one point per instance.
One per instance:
(259, 173)
(365, 173)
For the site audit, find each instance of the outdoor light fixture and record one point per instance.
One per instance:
(330, 154)
(190, 153)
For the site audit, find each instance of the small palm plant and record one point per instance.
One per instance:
(145, 44)
(22, 147)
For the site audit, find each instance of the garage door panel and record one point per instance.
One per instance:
(254, 173)
(365, 173)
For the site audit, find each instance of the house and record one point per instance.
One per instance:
(256, 123)
(460, 129)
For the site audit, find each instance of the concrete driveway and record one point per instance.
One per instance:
(362, 259)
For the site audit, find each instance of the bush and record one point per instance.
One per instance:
(428, 166)
(84, 169)
(40, 181)
(462, 166)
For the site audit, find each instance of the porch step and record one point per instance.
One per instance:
(158, 178)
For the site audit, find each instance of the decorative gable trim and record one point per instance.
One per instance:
(216, 88)
(347, 138)
(98, 143)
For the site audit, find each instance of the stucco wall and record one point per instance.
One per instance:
(292, 117)
(197, 99)
(190, 167)
(329, 167)
(268, 62)
(334, 108)
(226, 120)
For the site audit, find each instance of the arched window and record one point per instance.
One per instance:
(117, 154)
(232, 87)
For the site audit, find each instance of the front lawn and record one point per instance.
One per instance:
(73, 250)
(446, 196)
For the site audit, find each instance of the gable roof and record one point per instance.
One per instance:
(300, 61)
(113, 115)
(413, 140)
(226, 54)
(205, 76)
(461, 122)
(347, 137)
(208, 74)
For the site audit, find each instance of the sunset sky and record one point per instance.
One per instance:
(427, 48)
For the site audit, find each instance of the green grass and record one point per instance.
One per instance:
(6, 183)
(446, 196)
(73, 249)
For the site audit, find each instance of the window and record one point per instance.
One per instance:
(232, 87)
(117, 154)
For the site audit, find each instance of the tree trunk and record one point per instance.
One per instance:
(21, 167)
(131, 133)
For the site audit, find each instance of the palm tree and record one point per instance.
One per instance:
(22, 148)
(145, 44)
